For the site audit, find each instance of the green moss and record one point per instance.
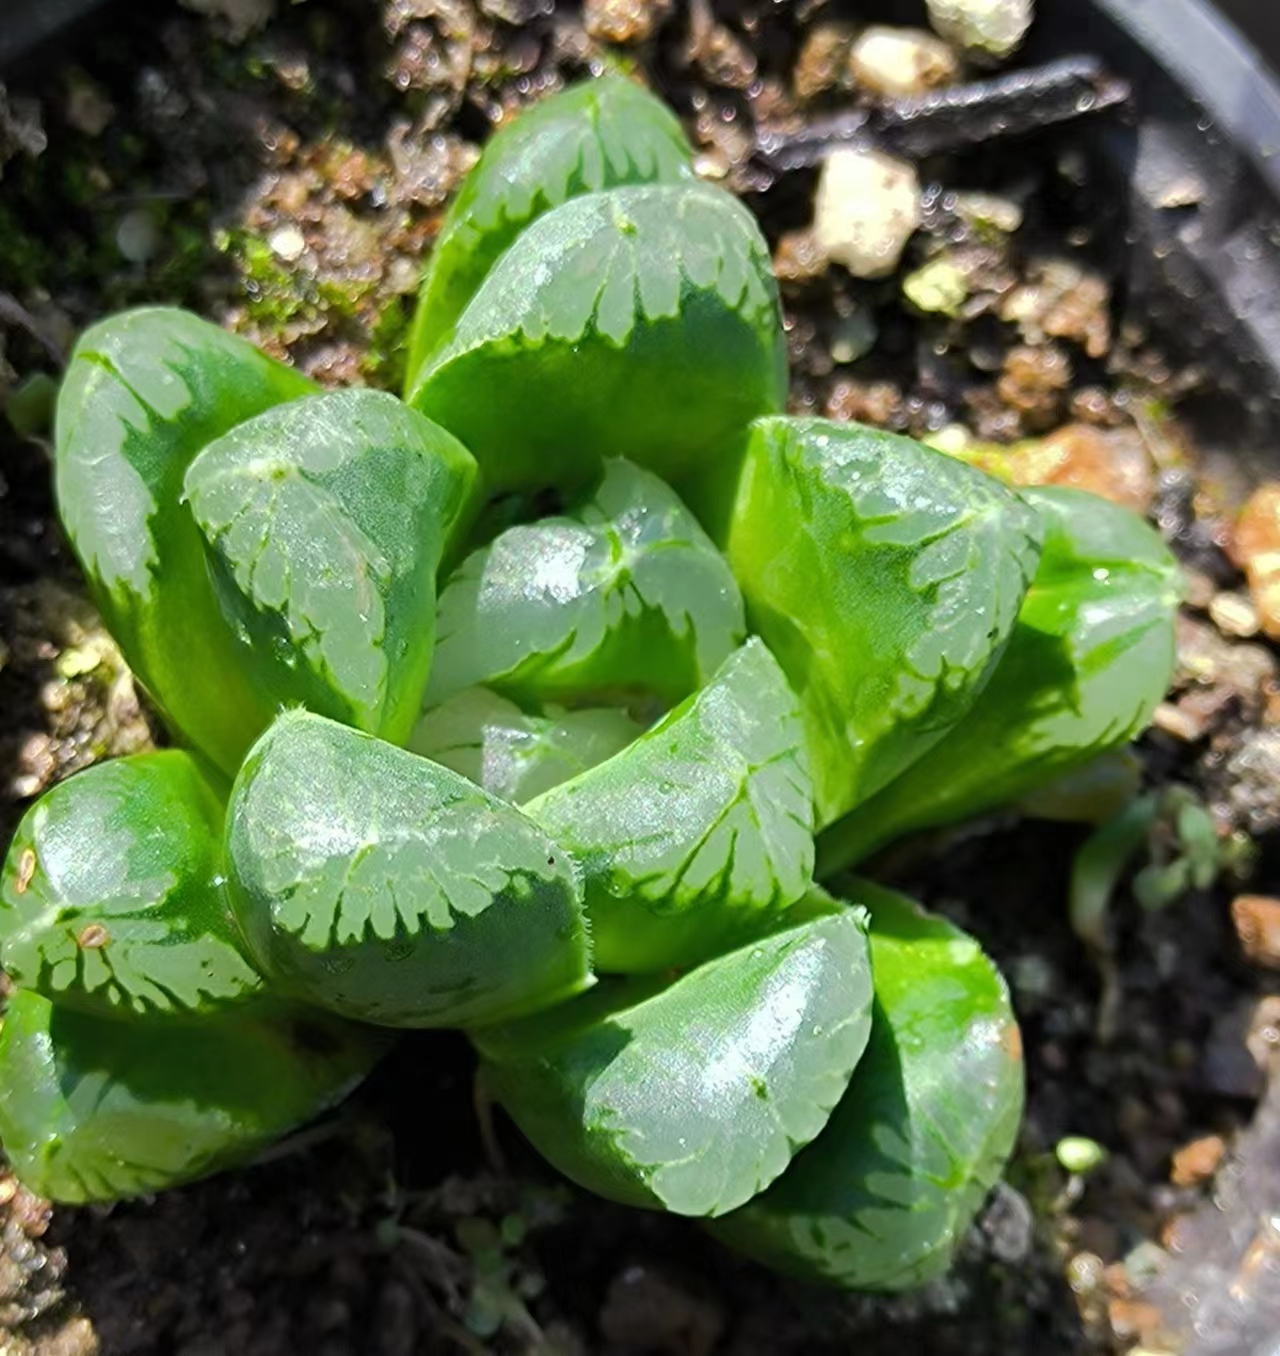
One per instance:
(388, 346)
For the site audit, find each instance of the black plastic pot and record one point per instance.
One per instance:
(26, 24)
(1200, 162)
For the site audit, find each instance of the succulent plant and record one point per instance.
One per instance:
(543, 705)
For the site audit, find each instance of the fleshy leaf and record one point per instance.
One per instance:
(112, 901)
(886, 577)
(593, 136)
(1090, 658)
(640, 322)
(626, 596)
(880, 1199)
(144, 392)
(95, 1111)
(693, 1097)
(326, 520)
(690, 838)
(512, 754)
(379, 885)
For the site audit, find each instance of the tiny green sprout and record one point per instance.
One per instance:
(543, 704)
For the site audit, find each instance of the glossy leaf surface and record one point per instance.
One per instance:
(143, 393)
(111, 899)
(94, 1111)
(512, 754)
(386, 888)
(886, 577)
(1090, 658)
(879, 1200)
(640, 322)
(626, 596)
(692, 1097)
(693, 835)
(593, 136)
(326, 520)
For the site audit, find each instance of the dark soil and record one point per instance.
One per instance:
(287, 179)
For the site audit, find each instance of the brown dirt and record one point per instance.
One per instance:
(286, 179)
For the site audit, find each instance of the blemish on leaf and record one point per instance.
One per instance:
(760, 1089)
(1011, 1042)
(26, 870)
(93, 937)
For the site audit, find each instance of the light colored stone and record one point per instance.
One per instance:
(901, 61)
(137, 236)
(288, 243)
(990, 29)
(939, 287)
(866, 208)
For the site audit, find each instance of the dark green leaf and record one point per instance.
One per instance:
(326, 520)
(879, 1200)
(593, 136)
(690, 838)
(144, 392)
(1090, 658)
(512, 754)
(692, 1097)
(386, 888)
(625, 597)
(112, 898)
(886, 577)
(640, 322)
(93, 1110)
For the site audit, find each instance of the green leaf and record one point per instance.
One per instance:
(640, 322)
(1090, 657)
(94, 1111)
(326, 520)
(690, 838)
(694, 1096)
(386, 888)
(111, 900)
(625, 597)
(593, 136)
(144, 392)
(886, 577)
(880, 1199)
(512, 754)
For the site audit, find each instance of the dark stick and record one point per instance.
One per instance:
(952, 119)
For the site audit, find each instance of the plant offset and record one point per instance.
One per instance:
(555, 703)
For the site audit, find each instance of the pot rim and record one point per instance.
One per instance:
(1217, 65)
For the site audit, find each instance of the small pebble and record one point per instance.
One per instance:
(989, 30)
(288, 243)
(895, 62)
(799, 258)
(866, 209)
(1252, 780)
(1198, 1161)
(1234, 615)
(622, 21)
(823, 63)
(1112, 463)
(987, 211)
(938, 287)
(1033, 381)
(1257, 552)
(1257, 923)
(137, 237)
(853, 336)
